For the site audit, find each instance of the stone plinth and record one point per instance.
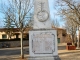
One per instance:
(41, 58)
(43, 43)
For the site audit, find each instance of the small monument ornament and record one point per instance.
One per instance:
(42, 38)
(42, 15)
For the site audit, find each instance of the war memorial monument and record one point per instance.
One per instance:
(42, 39)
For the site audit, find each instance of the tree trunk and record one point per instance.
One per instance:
(78, 39)
(22, 53)
(73, 39)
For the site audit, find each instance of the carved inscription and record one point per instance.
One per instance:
(43, 43)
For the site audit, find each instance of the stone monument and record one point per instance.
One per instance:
(42, 39)
(41, 15)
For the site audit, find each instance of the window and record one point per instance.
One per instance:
(64, 34)
(4, 36)
(58, 40)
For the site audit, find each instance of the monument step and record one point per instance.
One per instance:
(41, 58)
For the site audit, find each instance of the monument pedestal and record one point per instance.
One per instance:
(43, 44)
(41, 58)
(44, 58)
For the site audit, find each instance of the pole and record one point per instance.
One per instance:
(22, 53)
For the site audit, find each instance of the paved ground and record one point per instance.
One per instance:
(69, 54)
(14, 53)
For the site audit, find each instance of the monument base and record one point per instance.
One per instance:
(44, 58)
(43, 44)
(57, 58)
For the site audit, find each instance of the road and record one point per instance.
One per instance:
(12, 53)
(16, 51)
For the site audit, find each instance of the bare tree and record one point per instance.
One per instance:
(20, 15)
(55, 23)
(69, 10)
(8, 24)
(71, 28)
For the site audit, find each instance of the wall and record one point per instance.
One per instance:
(1, 33)
(63, 39)
(15, 43)
(60, 35)
(12, 37)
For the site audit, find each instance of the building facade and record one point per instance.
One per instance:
(62, 36)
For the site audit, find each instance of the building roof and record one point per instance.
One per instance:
(13, 29)
(5, 29)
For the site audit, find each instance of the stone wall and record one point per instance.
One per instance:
(13, 43)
